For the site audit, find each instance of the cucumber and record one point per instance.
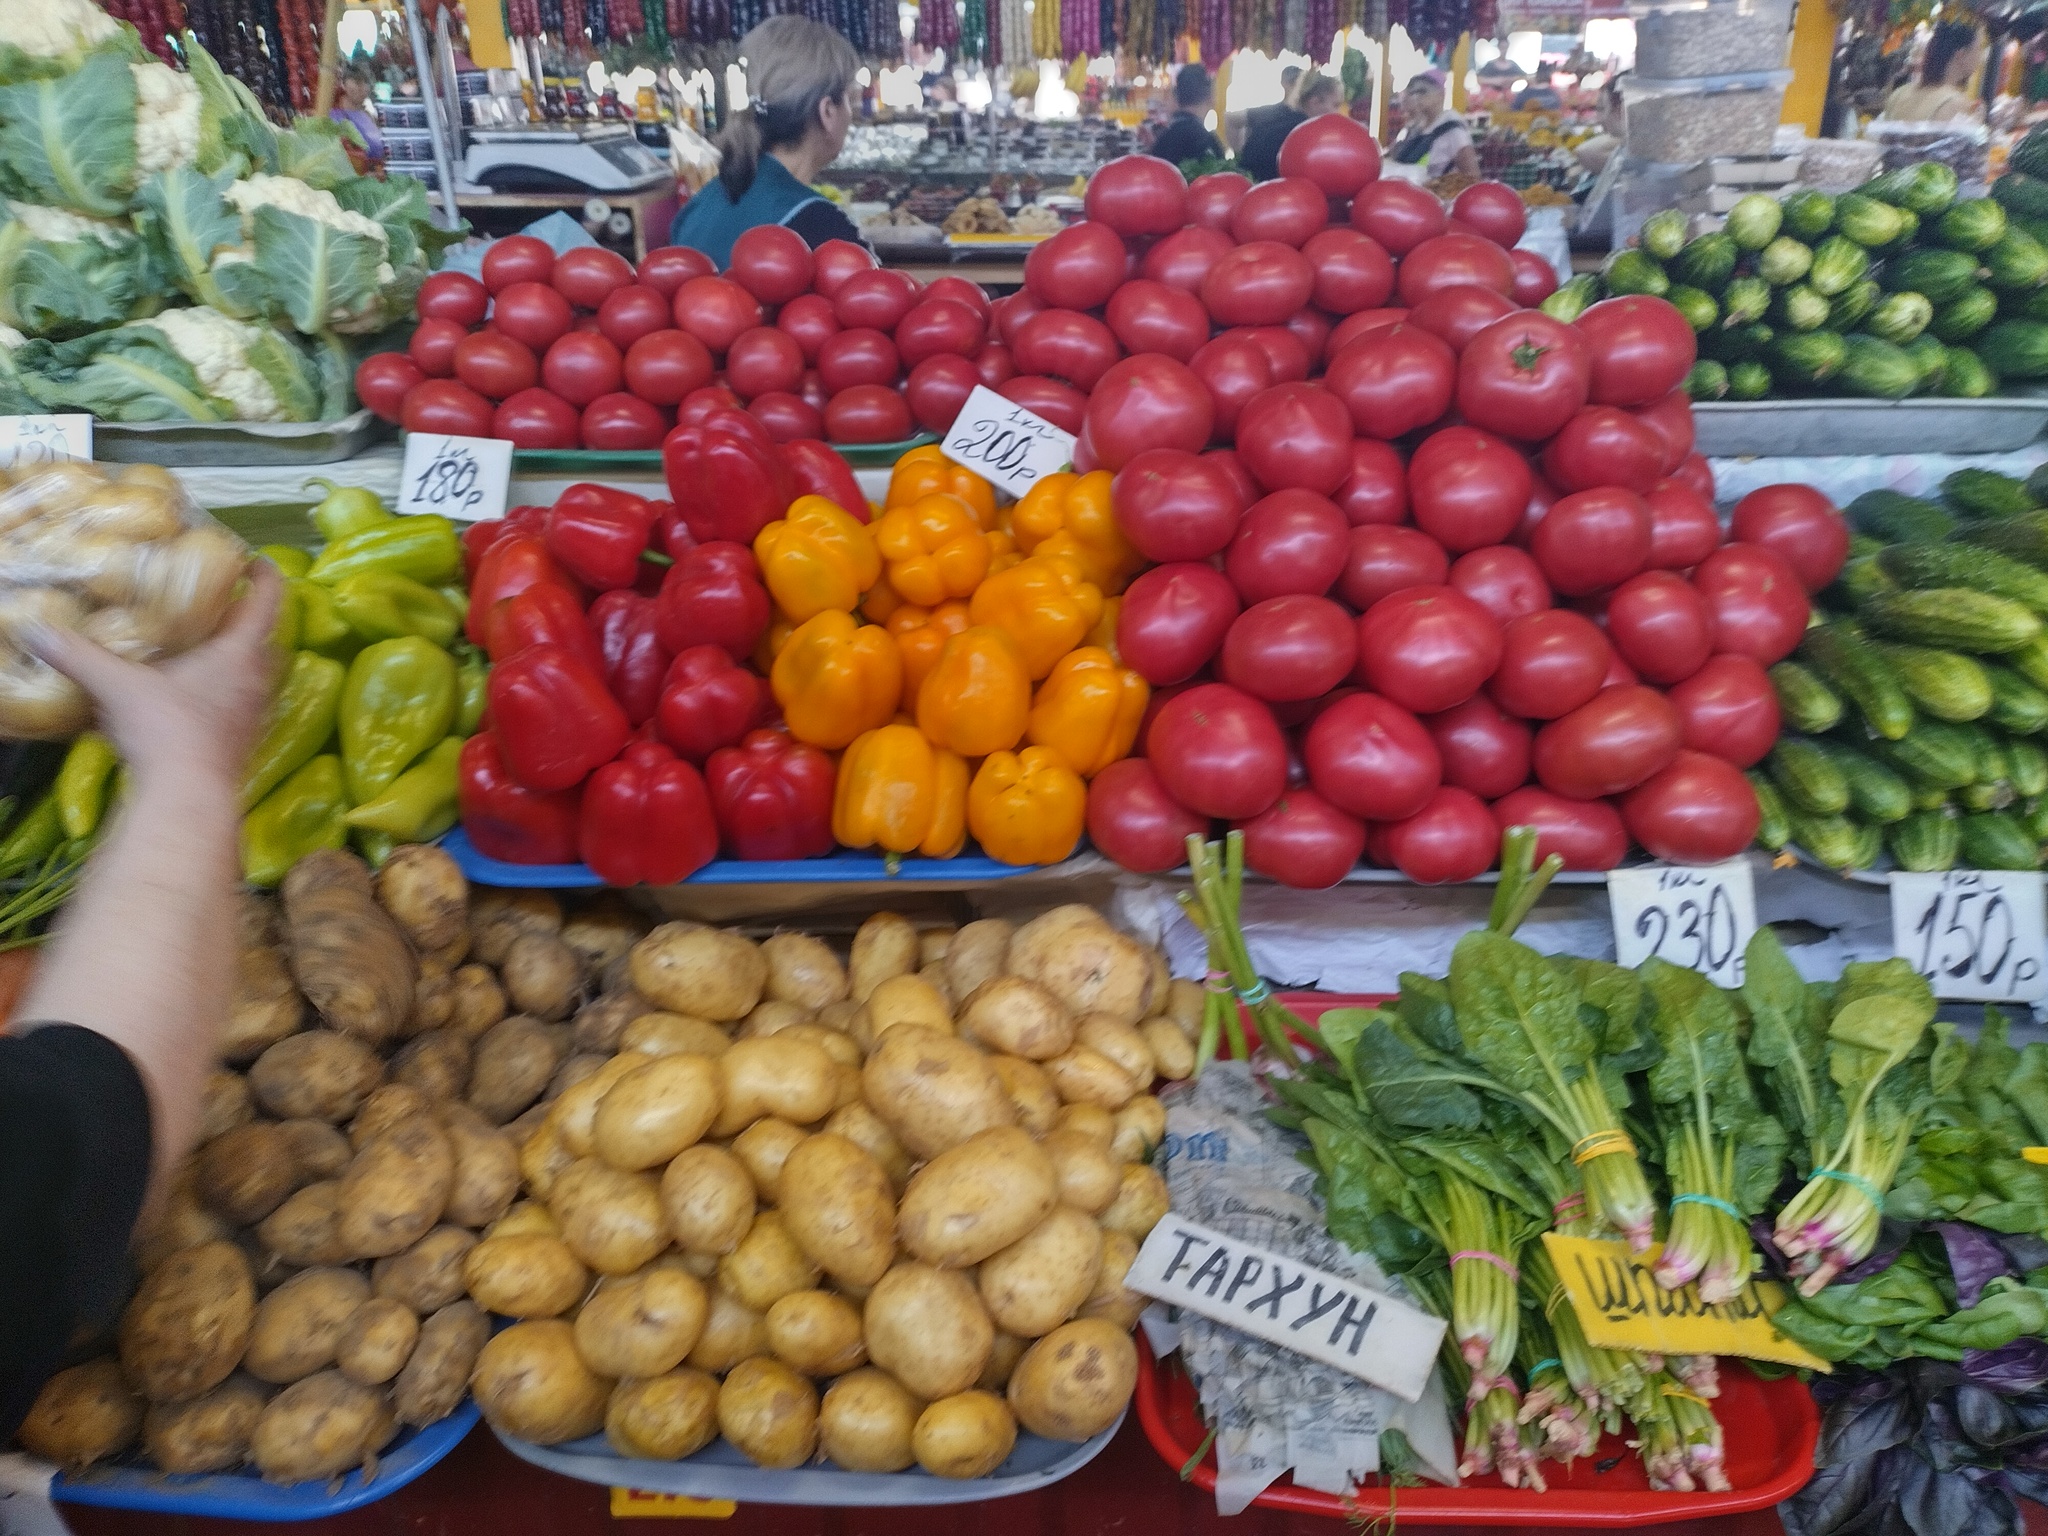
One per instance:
(1984, 797)
(2029, 763)
(1833, 841)
(1927, 798)
(1966, 377)
(1869, 844)
(1773, 830)
(2031, 661)
(1807, 703)
(2037, 484)
(1807, 775)
(2033, 818)
(1925, 841)
(1964, 315)
(1996, 840)
(1989, 751)
(2024, 537)
(1986, 493)
(1916, 566)
(1748, 381)
(1933, 755)
(2014, 349)
(1897, 518)
(1946, 684)
(1861, 578)
(1951, 616)
(1847, 661)
(1876, 368)
(2016, 704)
(1876, 793)
(1707, 381)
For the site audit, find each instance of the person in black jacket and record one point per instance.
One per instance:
(1186, 136)
(1267, 127)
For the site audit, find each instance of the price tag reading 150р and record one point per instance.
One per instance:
(1976, 935)
(1004, 443)
(464, 478)
(1700, 916)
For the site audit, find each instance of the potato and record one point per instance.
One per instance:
(602, 931)
(843, 1049)
(656, 1110)
(978, 953)
(642, 1325)
(396, 1189)
(1183, 1004)
(969, 1434)
(423, 889)
(817, 1333)
(1141, 1200)
(933, 1091)
(510, 1067)
(525, 1275)
(1172, 1051)
(979, 1197)
(885, 945)
(1072, 1384)
(803, 971)
(763, 1147)
(1010, 1013)
(428, 1275)
(182, 1222)
(486, 1167)
(188, 1323)
(866, 1422)
(1110, 1300)
(436, 1377)
(667, 1034)
(82, 1415)
(767, 1265)
(318, 1149)
(267, 1006)
(600, 1022)
(573, 1117)
(1084, 1172)
(306, 1228)
(844, 1017)
(769, 1413)
(542, 976)
(542, 1158)
(794, 1080)
(1090, 1120)
(531, 1383)
(732, 1332)
(665, 1417)
(1003, 1356)
(1041, 1280)
(771, 1014)
(319, 1428)
(317, 1075)
(932, 944)
(1085, 963)
(299, 1325)
(1122, 1044)
(1084, 1075)
(387, 1108)
(928, 1329)
(526, 1218)
(907, 1001)
(611, 1219)
(433, 1001)
(377, 1340)
(707, 1198)
(246, 1174)
(226, 1103)
(839, 1207)
(209, 1433)
(865, 1129)
(478, 1001)
(708, 973)
(1031, 1092)
(349, 958)
(933, 974)
(496, 918)
(573, 1070)
(1140, 1127)
(436, 1062)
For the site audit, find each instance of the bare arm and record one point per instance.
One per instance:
(1467, 161)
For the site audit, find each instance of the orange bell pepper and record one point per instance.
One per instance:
(1026, 807)
(923, 471)
(976, 700)
(1104, 632)
(934, 547)
(772, 640)
(1088, 710)
(1002, 551)
(816, 558)
(898, 791)
(1044, 603)
(880, 602)
(835, 679)
(1068, 514)
(921, 634)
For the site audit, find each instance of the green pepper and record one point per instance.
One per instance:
(419, 804)
(303, 813)
(423, 547)
(34, 838)
(322, 629)
(456, 596)
(288, 629)
(473, 683)
(375, 847)
(288, 558)
(298, 724)
(347, 509)
(83, 782)
(381, 606)
(398, 701)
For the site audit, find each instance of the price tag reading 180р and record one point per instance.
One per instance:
(1976, 935)
(464, 478)
(1004, 443)
(1700, 916)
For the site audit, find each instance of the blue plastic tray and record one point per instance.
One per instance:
(245, 1496)
(843, 868)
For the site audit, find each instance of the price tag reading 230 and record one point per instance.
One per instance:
(1976, 935)
(1004, 443)
(464, 478)
(1700, 916)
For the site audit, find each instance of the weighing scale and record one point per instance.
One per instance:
(568, 158)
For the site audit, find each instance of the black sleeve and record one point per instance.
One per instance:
(74, 1163)
(821, 221)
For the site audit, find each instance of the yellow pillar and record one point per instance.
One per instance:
(1461, 64)
(489, 48)
(1813, 50)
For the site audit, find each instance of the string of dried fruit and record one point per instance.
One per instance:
(1293, 25)
(624, 17)
(301, 59)
(1045, 29)
(1321, 28)
(572, 21)
(1169, 21)
(273, 54)
(974, 30)
(1216, 28)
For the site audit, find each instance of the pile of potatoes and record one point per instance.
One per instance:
(877, 1209)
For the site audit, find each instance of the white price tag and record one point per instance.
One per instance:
(1700, 916)
(460, 477)
(1004, 443)
(1976, 935)
(26, 441)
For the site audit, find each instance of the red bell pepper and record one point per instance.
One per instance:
(699, 403)
(773, 797)
(546, 613)
(506, 820)
(554, 720)
(671, 536)
(634, 657)
(477, 538)
(816, 469)
(647, 819)
(708, 701)
(713, 595)
(598, 534)
(726, 477)
(506, 569)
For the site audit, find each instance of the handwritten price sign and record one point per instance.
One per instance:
(1976, 935)
(1006, 444)
(27, 441)
(460, 477)
(1698, 916)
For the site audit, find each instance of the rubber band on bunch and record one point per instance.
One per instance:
(1217, 982)
(1546, 1363)
(1256, 993)
(1711, 1203)
(1690, 1397)
(1575, 1201)
(1855, 1181)
(1557, 1294)
(1601, 1144)
(1499, 1263)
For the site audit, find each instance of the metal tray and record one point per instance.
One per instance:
(584, 461)
(842, 868)
(234, 444)
(1726, 429)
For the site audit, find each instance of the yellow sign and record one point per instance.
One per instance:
(1621, 1306)
(632, 1503)
(2035, 1154)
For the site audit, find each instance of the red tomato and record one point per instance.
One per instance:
(1376, 490)
(517, 259)
(1371, 758)
(1728, 708)
(1470, 498)
(1288, 210)
(1303, 841)
(1137, 195)
(1550, 663)
(1642, 349)
(698, 404)
(1760, 609)
(994, 365)
(1173, 621)
(1697, 476)
(834, 262)
(1609, 744)
(585, 274)
(1460, 312)
(937, 388)
(1078, 268)
(1134, 821)
(1010, 312)
(1428, 648)
(668, 267)
(715, 310)
(1454, 258)
(867, 413)
(1603, 446)
(940, 326)
(494, 365)
(1218, 751)
(1394, 380)
(810, 319)
(773, 263)
(622, 423)
(1353, 271)
(1066, 345)
(813, 392)
(1296, 437)
(1184, 258)
(973, 295)
(446, 406)
(1524, 376)
(1535, 278)
(1212, 199)
(1593, 540)
(1451, 838)
(1261, 283)
(666, 366)
(858, 356)
(1289, 648)
(1333, 151)
(1398, 214)
(452, 296)
(1542, 497)
(581, 366)
(1148, 316)
(1226, 459)
(1353, 327)
(432, 348)
(787, 417)
(1683, 528)
(1671, 419)
(1618, 673)
(1494, 209)
(1292, 541)
(1286, 351)
(763, 361)
(1661, 626)
(382, 380)
(630, 312)
(1058, 402)
(1233, 368)
(1698, 810)
(1483, 750)
(1800, 525)
(876, 300)
(1586, 834)
(1380, 559)
(1175, 505)
(1147, 402)
(1311, 327)
(534, 418)
(1503, 580)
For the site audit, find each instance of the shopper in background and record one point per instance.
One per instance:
(1954, 53)
(352, 85)
(1312, 96)
(1435, 137)
(1186, 135)
(800, 80)
(1237, 126)
(1594, 153)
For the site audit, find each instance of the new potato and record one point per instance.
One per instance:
(1083, 1171)
(865, 1129)
(1085, 963)
(792, 1079)
(654, 1111)
(486, 1178)
(978, 953)
(531, 1383)
(817, 1333)
(866, 1422)
(885, 945)
(227, 1103)
(1072, 1384)
(803, 971)
(189, 1322)
(933, 1091)
(1141, 1199)
(642, 1325)
(1109, 1300)
(976, 1198)
(611, 1219)
(969, 1434)
(511, 1066)
(708, 973)
(1140, 1126)
(396, 1189)
(247, 1173)
(1122, 1044)
(428, 1275)
(436, 1376)
(665, 1417)
(707, 1198)
(1017, 1015)
(928, 1329)
(767, 1265)
(769, 1413)
(376, 1341)
(389, 1106)
(299, 1325)
(319, 1428)
(732, 1332)
(1031, 1092)
(1083, 1075)
(207, 1434)
(436, 1062)
(525, 1275)
(665, 1034)
(907, 1001)
(82, 1415)
(1040, 1281)
(763, 1148)
(839, 1207)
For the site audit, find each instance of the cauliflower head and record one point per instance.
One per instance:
(294, 196)
(60, 224)
(166, 118)
(50, 29)
(217, 346)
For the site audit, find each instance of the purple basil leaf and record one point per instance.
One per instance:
(1974, 1258)
(1929, 1379)
(1985, 1416)
(1774, 1266)
(1831, 1500)
(2021, 1366)
(1864, 1423)
(2024, 1249)
(1941, 1439)
(1947, 1504)
(2025, 1483)
(1892, 1238)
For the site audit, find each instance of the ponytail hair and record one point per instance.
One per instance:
(793, 65)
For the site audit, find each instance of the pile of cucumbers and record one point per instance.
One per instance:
(1915, 711)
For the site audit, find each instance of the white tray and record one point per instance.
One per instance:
(1727, 429)
(234, 444)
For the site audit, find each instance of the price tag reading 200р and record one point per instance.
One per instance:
(464, 478)
(1700, 916)
(1004, 443)
(1976, 935)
